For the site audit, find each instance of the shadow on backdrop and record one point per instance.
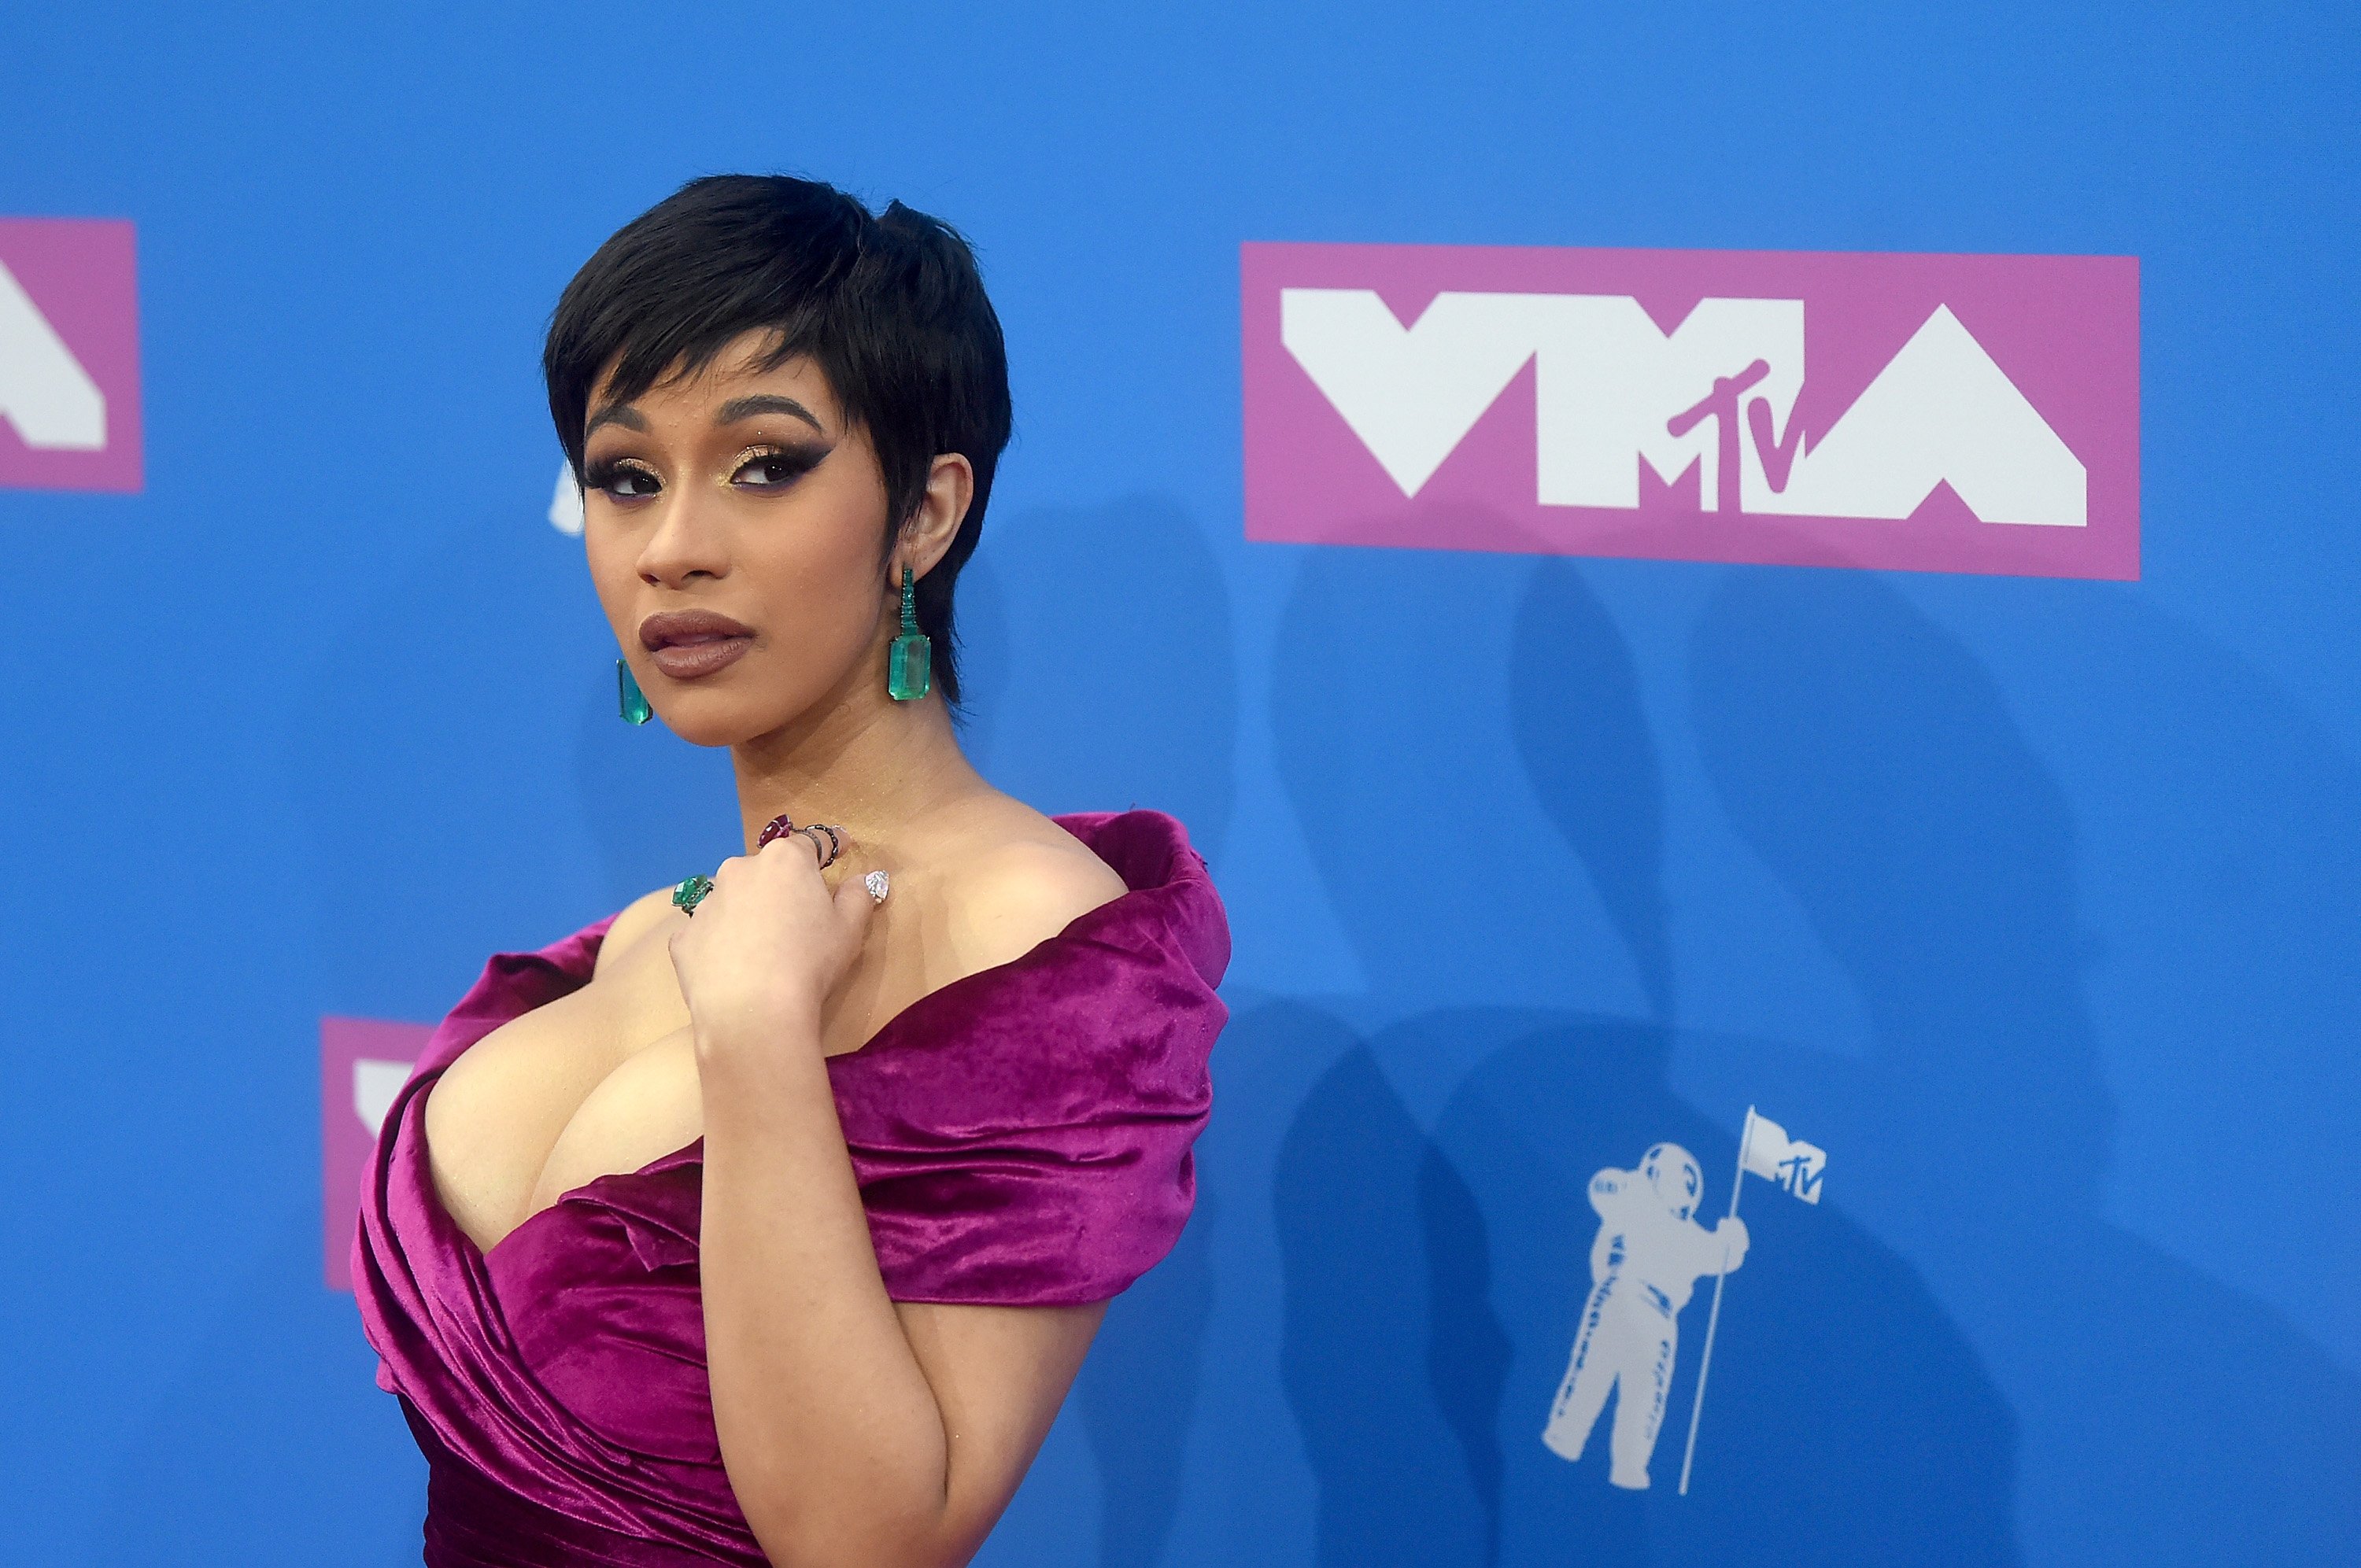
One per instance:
(1868, 760)
(1137, 1395)
(1587, 748)
(1352, 1185)
(1436, 1278)
(1101, 667)
(1101, 675)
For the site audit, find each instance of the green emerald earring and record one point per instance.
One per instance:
(909, 669)
(632, 701)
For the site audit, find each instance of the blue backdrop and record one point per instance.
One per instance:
(2034, 901)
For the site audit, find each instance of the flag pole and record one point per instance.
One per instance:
(1713, 1319)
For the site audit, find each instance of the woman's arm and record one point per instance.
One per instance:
(853, 1431)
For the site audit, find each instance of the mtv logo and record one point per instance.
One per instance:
(364, 1063)
(1938, 413)
(69, 355)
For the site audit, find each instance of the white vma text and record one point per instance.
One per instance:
(1716, 393)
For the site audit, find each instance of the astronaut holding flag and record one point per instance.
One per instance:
(1646, 1257)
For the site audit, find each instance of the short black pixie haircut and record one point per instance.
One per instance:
(889, 305)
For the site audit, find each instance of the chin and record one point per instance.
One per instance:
(712, 719)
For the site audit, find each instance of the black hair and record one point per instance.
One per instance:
(889, 305)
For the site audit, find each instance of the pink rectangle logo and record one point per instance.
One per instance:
(1936, 413)
(69, 355)
(364, 1063)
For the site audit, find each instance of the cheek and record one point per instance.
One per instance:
(819, 562)
(613, 576)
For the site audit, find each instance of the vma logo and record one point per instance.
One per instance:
(69, 355)
(1929, 412)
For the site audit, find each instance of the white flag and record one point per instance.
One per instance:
(1768, 1152)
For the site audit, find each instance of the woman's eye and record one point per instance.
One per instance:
(769, 470)
(625, 482)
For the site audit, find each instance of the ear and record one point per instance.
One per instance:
(950, 489)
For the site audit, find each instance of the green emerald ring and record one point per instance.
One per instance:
(690, 893)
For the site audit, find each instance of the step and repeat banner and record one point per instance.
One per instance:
(1755, 617)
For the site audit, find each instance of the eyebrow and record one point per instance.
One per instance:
(736, 408)
(624, 414)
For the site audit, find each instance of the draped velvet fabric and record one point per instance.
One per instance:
(1021, 1136)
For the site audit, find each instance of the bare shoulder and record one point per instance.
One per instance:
(637, 918)
(1023, 879)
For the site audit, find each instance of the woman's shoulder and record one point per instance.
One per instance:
(1011, 877)
(1133, 902)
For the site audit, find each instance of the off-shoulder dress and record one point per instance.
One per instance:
(1021, 1137)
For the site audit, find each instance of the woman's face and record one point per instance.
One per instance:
(735, 531)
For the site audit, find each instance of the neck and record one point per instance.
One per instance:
(864, 763)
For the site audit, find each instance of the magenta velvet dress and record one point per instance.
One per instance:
(1021, 1137)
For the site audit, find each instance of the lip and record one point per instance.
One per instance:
(689, 644)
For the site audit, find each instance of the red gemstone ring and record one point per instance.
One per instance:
(778, 827)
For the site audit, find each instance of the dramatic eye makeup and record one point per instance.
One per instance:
(622, 479)
(771, 466)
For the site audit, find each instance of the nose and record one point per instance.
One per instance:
(686, 540)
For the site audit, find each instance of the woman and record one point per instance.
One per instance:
(770, 1219)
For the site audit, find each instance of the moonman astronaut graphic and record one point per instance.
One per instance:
(1647, 1258)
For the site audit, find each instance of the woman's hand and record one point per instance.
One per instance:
(767, 945)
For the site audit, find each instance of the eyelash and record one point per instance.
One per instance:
(602, 475)
(794, 461)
